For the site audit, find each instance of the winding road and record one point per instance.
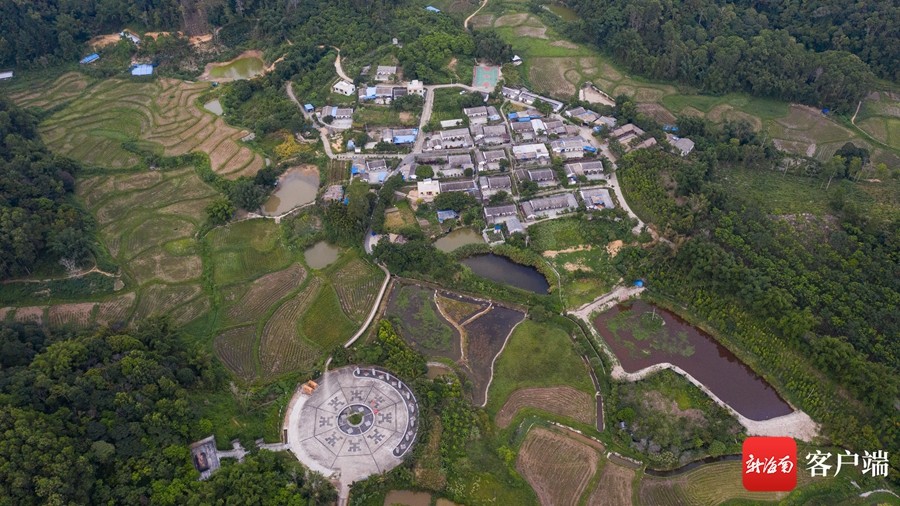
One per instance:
(466, 22)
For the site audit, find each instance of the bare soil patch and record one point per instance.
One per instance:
(511, 19)
(691, 111)
(482, 21)
(556, 467)
(564, 401)
(101, 41)
(613, 247)
(564, 43)
(536, 32)
(614, 488)
(656, 402)
(574, 249)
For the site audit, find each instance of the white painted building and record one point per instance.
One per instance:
(345, 88)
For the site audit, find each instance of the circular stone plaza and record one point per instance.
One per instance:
(356, 422)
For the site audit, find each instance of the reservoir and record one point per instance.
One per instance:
(642, 335)
(503, 270)
(241, 68)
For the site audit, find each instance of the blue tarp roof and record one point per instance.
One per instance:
(142, 70)
(512, 115)
(446, 215)
(90, 58)
(354, 170)
(432, 9)
(590, 149)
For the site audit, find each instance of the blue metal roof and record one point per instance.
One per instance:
(142, 70)
(446, 215)
(308, 107)
(404, 139)
(90, 58)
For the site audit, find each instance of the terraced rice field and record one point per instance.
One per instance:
(564, 401)
(281, 348)
(76, 316)
(557, 467)
(50, 93)
(236, 349)
(162, 299)
(160, 116)
(246, 250)
(706, 485)
(115, 312)
(357, 284)
(265, 292)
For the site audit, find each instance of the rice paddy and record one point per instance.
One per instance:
(99, 123)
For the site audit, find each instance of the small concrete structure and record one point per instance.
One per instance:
(207, 458)
(385, 72)
(549, 207)
(143, 69)
(592, 171)
(500, 214)
(344, 88)
(531, 153)
(428, 189)
(415, 87)
(6, 75)
(682, 144)
(596, 198)
(334, 193)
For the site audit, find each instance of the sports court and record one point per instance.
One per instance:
(485, 77)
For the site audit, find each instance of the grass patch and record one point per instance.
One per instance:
(374, 115)
(324, 323)
(246, 250)
(537, 355)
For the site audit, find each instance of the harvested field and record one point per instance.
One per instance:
(357, 284)
(115, 312)
(266, 291)
(158, 264)
(549, 75)
(5, 312)
(44, 95)
(235, 348)
(159, 299)
(482, 21)
(615, 486)
(657, 112)
(564, 401)
(247, 250)
(77, 315)
(485, 337)
(281, 349)
(459, 307)
(192, 310)
(557, 467)
(162, 114)
(33, 314)
(709, 484)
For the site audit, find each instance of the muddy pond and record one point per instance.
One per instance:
(296, 187)
(214, 106)
(407, 498)
(642, 335)
(457, 239)
(321, 255)
(503, 270)
(241, 68)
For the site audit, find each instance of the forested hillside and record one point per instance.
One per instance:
(821, 287)
(105, 418)
(823, 55)
(45, 33)
(38, 218)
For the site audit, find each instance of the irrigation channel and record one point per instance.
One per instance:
(503, 270)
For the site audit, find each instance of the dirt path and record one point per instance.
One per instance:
(339, 69)
(466, 22)
(70, 276)
(617, 295)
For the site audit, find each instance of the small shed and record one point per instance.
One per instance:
(143, 69)
(448, 214)
(6, 75)
(308, 108)
(432, 9)
(91, 58)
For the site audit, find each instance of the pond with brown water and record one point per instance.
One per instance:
(642, 335)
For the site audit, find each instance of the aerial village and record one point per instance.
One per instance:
(524, 157)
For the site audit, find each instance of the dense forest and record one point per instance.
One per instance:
(826, 288)
(47, 33)
(817, 54)
(38, 218)
(106, 418)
